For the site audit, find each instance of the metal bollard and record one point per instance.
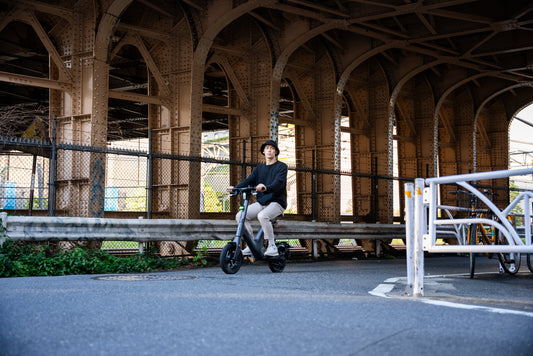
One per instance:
(409, 235)
(419, 221)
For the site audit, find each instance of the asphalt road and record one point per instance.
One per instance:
(342, 307)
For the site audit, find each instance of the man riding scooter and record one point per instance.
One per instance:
(270, 180)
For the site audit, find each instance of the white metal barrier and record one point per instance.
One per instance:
(423, 223)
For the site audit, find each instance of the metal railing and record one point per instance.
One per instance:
(51, 228)
(423, 224)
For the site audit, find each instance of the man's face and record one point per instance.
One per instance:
(270, 151)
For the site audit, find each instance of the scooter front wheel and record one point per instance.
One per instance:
(229, 260)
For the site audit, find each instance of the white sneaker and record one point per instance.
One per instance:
(246, 251)
(272, 251)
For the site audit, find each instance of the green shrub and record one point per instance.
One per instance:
(22, 260)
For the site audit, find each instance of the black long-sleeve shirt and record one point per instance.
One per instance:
(274, 177)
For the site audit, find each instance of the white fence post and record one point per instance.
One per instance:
(527, 220)
(419, 229)
(140, 244)
(3, 224)
(410, 235)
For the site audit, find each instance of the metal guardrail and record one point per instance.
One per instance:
(422, 222)
(27, 228)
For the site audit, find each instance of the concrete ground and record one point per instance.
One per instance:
(341, 307)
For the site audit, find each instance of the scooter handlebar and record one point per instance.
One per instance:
(237, 191)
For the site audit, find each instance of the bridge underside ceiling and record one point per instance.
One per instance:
(440, 79)
(472, 36)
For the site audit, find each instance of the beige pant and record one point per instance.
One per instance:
(263, 213)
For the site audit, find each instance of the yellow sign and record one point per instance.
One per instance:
(35, 131)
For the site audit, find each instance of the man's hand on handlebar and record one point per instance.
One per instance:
(235, 191)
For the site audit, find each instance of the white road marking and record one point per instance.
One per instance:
(382, 290)
(475, 307)
(387, 286)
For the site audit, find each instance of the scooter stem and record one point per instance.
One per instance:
(243, 218)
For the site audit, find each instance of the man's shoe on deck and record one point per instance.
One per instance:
(272, 251)
(246, 251)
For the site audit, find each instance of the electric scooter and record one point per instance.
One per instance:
(231, 256)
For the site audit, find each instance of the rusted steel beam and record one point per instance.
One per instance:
(35, 82)
(64, 12)
(135, 97)
(221, 109)
(158, 35)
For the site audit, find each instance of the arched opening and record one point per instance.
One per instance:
(395, 173)
(127, 74)
(127, 128)
(521, 146)
(520, 155)
(288, 111)
(215, 141)
(346, 207)
(23, 54)
(24, 111)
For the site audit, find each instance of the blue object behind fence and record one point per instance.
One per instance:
(11, 195)
(111, 199)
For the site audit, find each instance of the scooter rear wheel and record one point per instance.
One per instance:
(277, 265)
(229, 261)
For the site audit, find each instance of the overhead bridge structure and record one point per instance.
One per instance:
(427, 86)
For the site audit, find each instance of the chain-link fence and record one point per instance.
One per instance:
(74, 180)
(16, 178)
